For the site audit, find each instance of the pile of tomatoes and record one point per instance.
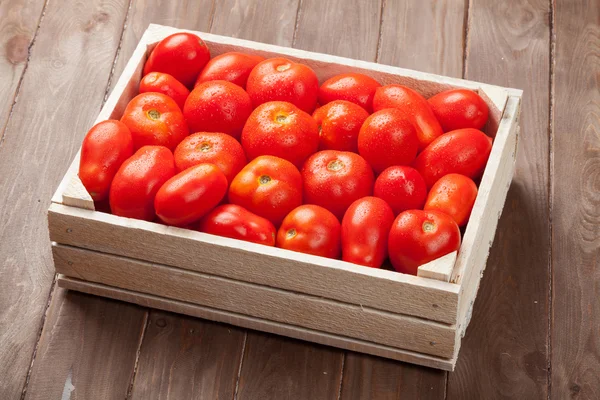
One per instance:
(255, 149)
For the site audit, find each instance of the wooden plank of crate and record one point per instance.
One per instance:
(440, 269)
(259, 301)
(245, 321)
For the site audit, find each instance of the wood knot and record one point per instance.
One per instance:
(98, 18)
(161, 323)
(17, 49)
(575, 389)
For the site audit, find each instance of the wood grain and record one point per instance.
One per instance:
(505, 351)
(576, 203)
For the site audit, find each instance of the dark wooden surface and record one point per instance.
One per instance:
(535, 332)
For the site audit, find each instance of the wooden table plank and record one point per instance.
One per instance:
(576, 202)
(505, 351)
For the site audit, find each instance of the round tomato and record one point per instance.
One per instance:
(217, 106)
(418, 237)
(280, 129)
(388, 138)
(135, 185)
(463, 151)
(279, 79)
(335, 179)
(165, 84)
(181, 55)
(458, 109)
(415, 108)
(356, 88)
(154, 119)
(339, 123)
(105, 147)
(190, 194)
(453, 194)
(402, 187)
(312, 230)
(268, 186)
(233, 67)
(365, 229)
(214, 148)
(236, 222)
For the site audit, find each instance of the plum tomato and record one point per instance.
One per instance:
(233, 67)
(165, 84)
(418, 237)
(279, 79)
(312, 230)
(280, 129)
(339, 122)
(190, 194)
(105, 147)
(459, 109)
(268, 186)
(135, 185)
(356, 88)
(365, 229)
(217, 106)
(453, 194)
(402, 187)
(154, 119)
(335, 179)
(235, 222)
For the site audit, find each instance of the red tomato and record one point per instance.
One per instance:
(154, 119)
(365, 229)
(312, 230)
(339, 123)
(458, 109)
(418, 237)
(105, 147)
(165, 84)
(236, 222)
(279, 79)
(463, 151)
(135, 185)
(403, 188)
(414, 106)
(453, 194)
(388, 138)
(268, 186)
(190, 194)
(335, 179)
(353, 87)
(214, 148)
(217, 106)
(280, 129)
(233, 67)
(182, 55)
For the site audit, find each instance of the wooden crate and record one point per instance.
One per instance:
(417, 319)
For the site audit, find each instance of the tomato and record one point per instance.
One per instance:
(414, 106)
(211, 147)
(154, 119)
(453, 194)
(105, 147)
(418, 237)
(165, 84)
(356, 88)
(280, 129)
(403, 188)
(182, 55)
(312, 230)
(339, 123)
(365, 229)
(236, 222)
(233, 67)
(217, 106)
(135, 185)
(388, 138)
(463, 151)
(279, 79)
(458, 109)
(335, 179)
(190, 194)
(268, 186)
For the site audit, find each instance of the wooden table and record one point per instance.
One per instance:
(535, 332)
